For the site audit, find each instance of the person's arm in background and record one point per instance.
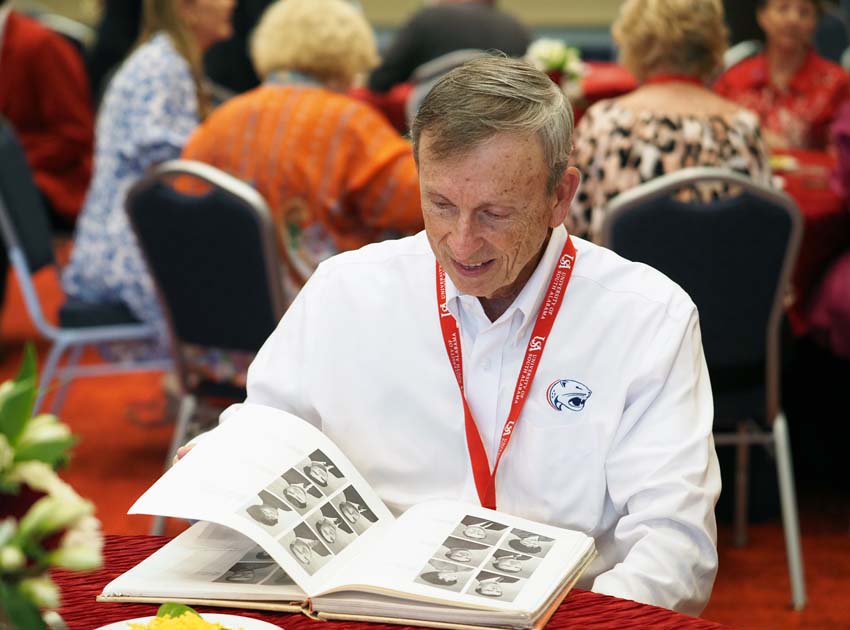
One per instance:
(663, 474)
(65, 141)
(400, 60)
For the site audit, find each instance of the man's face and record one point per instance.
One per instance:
(491, 589)
(328, 532)
(460, 555)
(318, 473)
(301, 551)
(487, 213)
(788, 24)
(349, 511)
(508, 564)
(297, 494)
(475, 531)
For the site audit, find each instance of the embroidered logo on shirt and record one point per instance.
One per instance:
(568, 394)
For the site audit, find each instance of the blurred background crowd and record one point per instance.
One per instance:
(309, 101)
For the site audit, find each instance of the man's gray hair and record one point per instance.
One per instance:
(491, 95)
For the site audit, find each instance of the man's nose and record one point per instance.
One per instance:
(464, 239)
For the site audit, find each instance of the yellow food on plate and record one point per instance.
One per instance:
(186, 621)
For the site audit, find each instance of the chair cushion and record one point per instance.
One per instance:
(76, 313)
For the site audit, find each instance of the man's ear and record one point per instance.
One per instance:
(564, 193)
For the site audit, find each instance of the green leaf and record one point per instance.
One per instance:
(175, 610)
(19, 609)
(18, 397)
(51, 452)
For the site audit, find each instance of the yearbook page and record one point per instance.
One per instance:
(279, 481)
(464, 556)
(207, 562)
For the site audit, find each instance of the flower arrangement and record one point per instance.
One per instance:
(561, 62)
(58, 529)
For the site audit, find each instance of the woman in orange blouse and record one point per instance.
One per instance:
(334, 172)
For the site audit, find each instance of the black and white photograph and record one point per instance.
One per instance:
(463, 551)
(297, 491)
(446, 575)
(513, 563)
(322, 472)
(529, 543)
(354, 510)
(256, 554)
(269, 511)
(495, 586)
(304, 545)
(480, 530)
(279, 578)
(332, 529)
(247, 572)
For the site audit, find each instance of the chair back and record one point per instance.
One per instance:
(734, 257)
(212, 255)
(23, 217)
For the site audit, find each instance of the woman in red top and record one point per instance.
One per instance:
(795, 92)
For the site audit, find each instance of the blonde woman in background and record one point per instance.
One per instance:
(672, 121)
(336, 175)
(152, 104)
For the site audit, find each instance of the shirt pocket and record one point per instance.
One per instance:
(560, 471)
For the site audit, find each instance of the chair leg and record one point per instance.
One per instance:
(790, 520)
(65, 382)
(742, 468)
(47, 372)
(188, 404)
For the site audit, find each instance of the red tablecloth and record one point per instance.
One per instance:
(581, 609)
(826, 226)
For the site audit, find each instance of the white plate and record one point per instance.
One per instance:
(234, 622)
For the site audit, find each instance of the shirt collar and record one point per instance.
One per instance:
(292, 77)
(529, 299)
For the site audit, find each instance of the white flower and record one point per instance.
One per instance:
(7, 453)
(81, 546)
(7, 530)
(41, 477)
(41, 591)
(11, 559)
(44, 427)
(547, 54)
(52, 513)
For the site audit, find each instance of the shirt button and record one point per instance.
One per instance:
(485, 364)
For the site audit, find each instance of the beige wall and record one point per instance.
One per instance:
(532, 12)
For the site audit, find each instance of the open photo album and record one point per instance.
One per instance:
(285, 522)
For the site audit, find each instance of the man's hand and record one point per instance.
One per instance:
(181, 452)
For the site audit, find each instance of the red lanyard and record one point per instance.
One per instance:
(485, 481)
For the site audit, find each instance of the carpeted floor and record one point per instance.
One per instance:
(116, 459)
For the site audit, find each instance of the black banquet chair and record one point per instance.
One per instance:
(29, 247)
(734, 257)
(210, 245)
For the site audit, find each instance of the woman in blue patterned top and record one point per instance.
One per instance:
(155, 100)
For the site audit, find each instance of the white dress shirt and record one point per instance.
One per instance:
(632, 463)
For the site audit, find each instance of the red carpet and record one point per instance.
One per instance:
(116, 460)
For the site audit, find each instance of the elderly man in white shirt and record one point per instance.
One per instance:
(494, 340)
